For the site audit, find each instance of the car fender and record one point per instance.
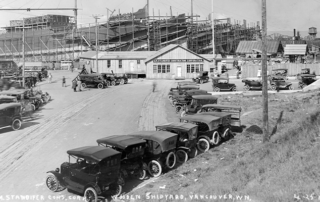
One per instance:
(205, 137)
(93, 185)
(59, 177)
(184, 148)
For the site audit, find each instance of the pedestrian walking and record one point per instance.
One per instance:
(74, 85)
(64, 82)
(79, 85)
(50, 78)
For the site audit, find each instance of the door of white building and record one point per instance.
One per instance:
(179, 71)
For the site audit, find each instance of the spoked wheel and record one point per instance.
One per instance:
(216, 139)
(273, 87)
(91, 195)
(125, 81)
(225, 133)
(291, 88)
(121, 81)
(170, 97)
(234, 88)
(154, 168)
(216, 89)
(182, 156)
(193, 153)
(113, 83)
(183, 114)
(83, 85)
(16, 124)
(100, 86)
(116, 190)
(121, 180)
(203, 145)
(201, 81)
(53, 183)
(178, 108)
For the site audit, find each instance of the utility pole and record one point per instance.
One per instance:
(170, 11)
(96, 17)
(264, 73)
(192, 14)
(108, 26)
(148, 25)
(23, 56)
(213, 45)
(75, 14)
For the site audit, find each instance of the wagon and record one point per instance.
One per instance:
(10, 115)
(197, 102)
(160, 151)
(187, 139)
(92, 171)
(222, 84)
(210, 129)
(132, 150)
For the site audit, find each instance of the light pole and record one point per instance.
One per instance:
(23, 56)
(96, 17)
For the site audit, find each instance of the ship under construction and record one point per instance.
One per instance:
(54, 38)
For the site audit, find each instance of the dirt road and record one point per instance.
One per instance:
(73, 120)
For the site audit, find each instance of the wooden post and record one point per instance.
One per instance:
(264, 73)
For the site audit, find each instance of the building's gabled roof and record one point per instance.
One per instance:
(247, 47)
(296, 49)
(171, 47)
(118, 55)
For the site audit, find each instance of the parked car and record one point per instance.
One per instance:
(222, 84)
(305, 71)
(305, 80)
(132, 150)
(278, 83)
(181, 90)
(186, 97)
(235, 111)
(202, 77)
(209, 129)
(25, 98)
(92, 171)
(10, 115)
(160, 150)
(280, 73)
(252, 84)
(183, 83)
(187, 139)
(8, 99)
(121, 78)
(197, 102)
(93, 80)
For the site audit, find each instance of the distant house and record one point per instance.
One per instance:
(255, 48)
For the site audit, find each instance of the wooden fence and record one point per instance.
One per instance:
(293, 69)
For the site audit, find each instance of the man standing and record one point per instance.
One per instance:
(74, 85)
(79, 85)
(63, 82)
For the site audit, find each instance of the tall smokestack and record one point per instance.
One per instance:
(294, 32)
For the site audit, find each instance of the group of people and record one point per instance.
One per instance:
(76, 85)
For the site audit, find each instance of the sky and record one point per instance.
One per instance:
(282, 15)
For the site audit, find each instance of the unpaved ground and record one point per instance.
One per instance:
(71, 120)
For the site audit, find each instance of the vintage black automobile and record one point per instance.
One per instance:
(186, 97)
(10, 115)
(283, 73)
(93, 80)
(305, 71)
(181, 89)
(235, 111)
(278, 83)
(210, 129)
(132, 150)
(187, 139)
(160, 150)
(222, 84)
(92, 171)
(121, 78)
(196, 104)
(202, 77)
(25, 98)
(110, 78)
(252, 84)
(305, 80)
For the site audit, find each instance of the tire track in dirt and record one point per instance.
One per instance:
(153, 111)
(11, 156)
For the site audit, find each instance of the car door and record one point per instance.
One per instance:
(2, 118)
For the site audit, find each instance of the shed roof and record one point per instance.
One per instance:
(246, 47)
(118, 55)
(296, 49)
(168, 48)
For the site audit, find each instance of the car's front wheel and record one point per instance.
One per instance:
(291, 88)
(83, 85)
(234, 88)
(16, 124)
(171, 160)
(201, 81)
(216, 139)
(216, 89)
(116, 190)
(203, 145)
(154, 168)
(182, 156)
(100, 86)
(193, 153)
(113, 83)
(121, 81)
(90, 195)
(246, 88)
(141, 174)
(53, 183)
